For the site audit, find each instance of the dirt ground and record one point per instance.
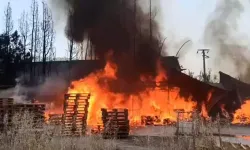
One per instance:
(154, 138)
(160, 143)
(170, 131)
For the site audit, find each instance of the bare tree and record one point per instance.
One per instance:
(47, 35)
(34, 8)
(74, 51)
(80, 52)
(90, 53)
(8, 19)
(52, 50)
(35, 36)
(39, 46)
(71, 49)
(24, 30)
(8, 23)
(71, 41)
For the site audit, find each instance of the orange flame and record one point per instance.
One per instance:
(204, 112)
(151, 102)
(50, 110)
(242, 115)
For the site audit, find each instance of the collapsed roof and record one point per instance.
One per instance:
(231, 83)
(229, 92)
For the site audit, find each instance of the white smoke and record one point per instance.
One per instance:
(52, 87)
(222, 34)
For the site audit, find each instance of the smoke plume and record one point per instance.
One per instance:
(114, 25)
(222, 34)
(52, 90)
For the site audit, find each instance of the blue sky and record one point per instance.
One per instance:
(181, 20)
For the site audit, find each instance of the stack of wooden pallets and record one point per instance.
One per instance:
(37, 110)
(55, 119)
(116, 123)
(6, 101)
(75, 114)
(97, 129)
(8, 109)
(6, 112)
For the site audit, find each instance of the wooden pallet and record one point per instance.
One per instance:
(55, 119)
(150, 120)
(6, 101)
(115, 123)
(8, 111)
(75, 113)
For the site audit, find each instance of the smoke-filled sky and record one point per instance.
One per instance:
(181, 20)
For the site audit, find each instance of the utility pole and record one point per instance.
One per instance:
(135, 27)
(150, 23)
(204, 51)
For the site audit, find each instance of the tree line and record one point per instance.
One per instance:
(32, 41)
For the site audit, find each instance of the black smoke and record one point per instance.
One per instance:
(114, 25)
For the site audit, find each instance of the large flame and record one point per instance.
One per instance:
(151, 102)
(242, 115)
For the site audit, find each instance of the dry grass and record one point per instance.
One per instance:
(171, 143)
(23, 136)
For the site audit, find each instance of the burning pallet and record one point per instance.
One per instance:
(242, 120)
(97, 130)
(155, 120)
(150, 120)
(75, 114)
(116, 123)
(8, 109)
(55, 119)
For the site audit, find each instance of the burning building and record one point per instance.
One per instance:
(130, 72)
(155, 97)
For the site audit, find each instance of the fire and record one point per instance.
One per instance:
(51, 109)
(204, 112)
(242, 115)
(151, 102)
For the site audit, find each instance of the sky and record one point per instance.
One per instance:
(180, 20)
